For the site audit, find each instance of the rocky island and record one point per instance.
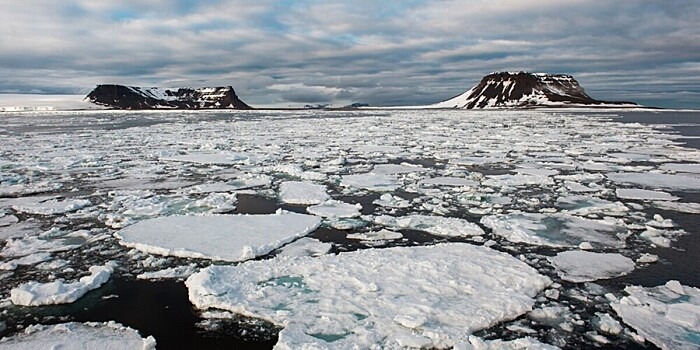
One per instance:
(526, 90)
(131, 97)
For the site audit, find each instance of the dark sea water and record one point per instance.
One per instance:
(162, 308)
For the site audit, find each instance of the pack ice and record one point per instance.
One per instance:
(668, 315)
(78, 336)
(217, 237)
(429, 296)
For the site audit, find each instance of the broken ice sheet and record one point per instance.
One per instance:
(58, 292)
(217, 237)
(657, 180)
(402, 296)
(668, 315)
(335, 209)
(646, 195)
(305, 246)
(372, 182)
(75, 336)
(583, 266)
(435, 225)
(555, 230)
(297, 192)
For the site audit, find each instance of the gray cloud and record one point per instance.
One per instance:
(383, 53)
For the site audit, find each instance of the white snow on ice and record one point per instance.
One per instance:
(436, 225)
(555, 230)
(582, 266)
(59, 292)
(390, 298)
(79, 336)
(296, 192)
(219, 237)
(668, 315)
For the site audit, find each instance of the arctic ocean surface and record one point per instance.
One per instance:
(338, 229)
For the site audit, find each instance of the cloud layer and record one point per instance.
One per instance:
(289, 53)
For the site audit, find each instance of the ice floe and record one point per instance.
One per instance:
(381, 235)
(178, 272)
(296, 192)
(690, 208)
(78, 336)
(555, 230)
(51, 206)
(436, 225)
(391, 201)
(335, 209)
(305, 246)
(371, 181)
(450, 181)
(646, 195)
(582, 266)
(657, 180)
(218, 237)
(31, 259)
(433, 296)
(668, 315)
(59, 292)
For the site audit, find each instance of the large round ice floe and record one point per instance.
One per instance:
(555, 230)
(219, 237)
(582, 266)
(668, 315)
(78, 336)
(657, 180)
(433, 296)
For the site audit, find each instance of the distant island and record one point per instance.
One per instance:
(526, 90)
(131, 97)
(501, 90)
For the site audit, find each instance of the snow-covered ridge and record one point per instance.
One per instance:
(523, 89)
(132, 97)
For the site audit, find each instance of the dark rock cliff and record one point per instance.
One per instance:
(522, 90)
(131, 97)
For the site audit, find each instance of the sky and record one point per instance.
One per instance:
(384, 53)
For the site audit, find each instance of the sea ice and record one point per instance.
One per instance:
(31, 259)
(646, 195)
(689, 208)
(586, 205)
(211, 158)
(371, 181)
(305, 246)
(432, 296)
(450, 181)
(657, 180)
(296, 192)
(582, 266)
(668, 315)
(508, 180)
(527, 343)
(171, 273)
(435, 225)
(390, 201)
(79, 336)
(682, 167)
(51, 206)
(392, 169)
(335, 209)
(58, 292)
(554, 230)
(606, 324)
(218, 237)
(381, 235)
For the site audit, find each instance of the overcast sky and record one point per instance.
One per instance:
(295, 52)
